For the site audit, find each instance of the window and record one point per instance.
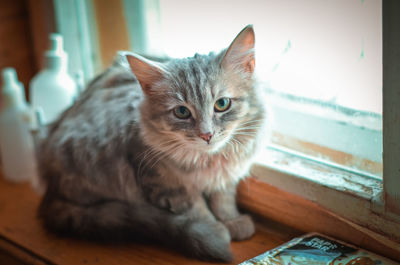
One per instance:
(320, 64)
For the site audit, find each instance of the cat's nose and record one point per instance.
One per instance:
(206, 136)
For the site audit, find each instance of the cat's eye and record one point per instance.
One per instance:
(182, 112)
(222, 104)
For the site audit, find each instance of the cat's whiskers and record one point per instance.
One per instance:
(233, 145)
(250, 135)
(226, 135)
(154, 155)
(148, 152)
(250, 122)
(168, 152)
(248, 127)
(238, 143)
(153, 152)
(156, 151)
(224, 153)
(178, 156)
(245, 131)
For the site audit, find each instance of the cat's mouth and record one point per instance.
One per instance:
(213, 146)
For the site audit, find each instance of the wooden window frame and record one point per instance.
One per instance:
(391, 105)
(321, 131)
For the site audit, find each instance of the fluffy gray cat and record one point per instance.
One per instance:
(158, 153)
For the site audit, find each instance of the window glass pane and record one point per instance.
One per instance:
(328, 50)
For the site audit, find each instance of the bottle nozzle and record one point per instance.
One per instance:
(10, 79)
(56, 43)
(56, 57)
(12, 89)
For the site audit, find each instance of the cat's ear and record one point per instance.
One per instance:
(146, 72)
(241, 52)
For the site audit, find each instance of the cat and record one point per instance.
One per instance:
(155, 150)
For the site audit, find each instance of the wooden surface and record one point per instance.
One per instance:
(23, 237)
(111, 29)
(15, 39)
(42, 23)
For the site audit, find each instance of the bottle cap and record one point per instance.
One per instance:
(10, 80)
(56, 57)
(12, 90)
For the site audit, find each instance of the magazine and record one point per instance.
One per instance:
(317, 249)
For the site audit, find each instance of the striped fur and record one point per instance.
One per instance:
(120, 165)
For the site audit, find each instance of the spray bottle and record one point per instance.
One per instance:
(52, 89)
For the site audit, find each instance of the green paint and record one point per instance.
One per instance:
(362, 1)
(362, 53)
(276, 66)
(288, 47)
(284, 52)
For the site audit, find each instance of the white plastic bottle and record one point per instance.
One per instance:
(18, 160)
(52, 89)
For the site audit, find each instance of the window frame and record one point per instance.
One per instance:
(325, 133)
(377, 211)
(391, 106)
(75, 20)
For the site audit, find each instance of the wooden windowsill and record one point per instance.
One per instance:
(283, 215)
(24, 241)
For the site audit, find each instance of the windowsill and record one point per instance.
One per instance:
(310, 196)
(318, 128)
(23, 240)
(320, 174)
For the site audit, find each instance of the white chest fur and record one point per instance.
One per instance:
(210, 173)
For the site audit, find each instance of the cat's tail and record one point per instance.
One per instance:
(105, 220)
(119, 221)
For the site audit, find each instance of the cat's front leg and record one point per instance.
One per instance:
(166, 193)
(223, 206)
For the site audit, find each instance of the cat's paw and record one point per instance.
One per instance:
(176, 204)
(208, 241)
(241, 227)
(174, 200)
